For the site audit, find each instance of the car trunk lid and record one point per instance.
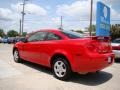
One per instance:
(100, 44)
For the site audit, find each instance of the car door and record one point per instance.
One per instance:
(31, 49)
(48, 46)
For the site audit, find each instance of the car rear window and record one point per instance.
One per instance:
(72, 34)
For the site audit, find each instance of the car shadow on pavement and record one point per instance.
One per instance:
(117, 60)
(38, 67)
(92, 79)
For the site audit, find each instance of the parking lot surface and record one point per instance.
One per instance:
(24, 76)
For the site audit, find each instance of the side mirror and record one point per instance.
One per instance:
(24, 40)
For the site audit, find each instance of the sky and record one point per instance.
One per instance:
(46, 14)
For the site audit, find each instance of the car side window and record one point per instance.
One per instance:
(52, 36)
(39, 36)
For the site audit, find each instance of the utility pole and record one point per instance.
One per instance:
(61, 24)
(91, 12)
(23, 14)
(20, 28)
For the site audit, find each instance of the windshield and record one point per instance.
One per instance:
(72, 34)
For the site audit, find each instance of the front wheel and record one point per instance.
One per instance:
(16, 56)
(61, 68)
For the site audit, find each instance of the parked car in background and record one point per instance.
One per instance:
(116, 47)
(22, 39)
(65, 52)
(5, 40)
(11, 40)
(0, 40)
(18, 39)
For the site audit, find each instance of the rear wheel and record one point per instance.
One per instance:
(16, 56)
(61, 68)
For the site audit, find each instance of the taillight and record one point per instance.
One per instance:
(99, 47)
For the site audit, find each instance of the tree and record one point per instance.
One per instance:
(93, 28)
(12, 33)
(115, 31)
(24, 34)
(2, 33)
(79, 31)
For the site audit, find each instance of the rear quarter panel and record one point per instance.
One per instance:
(72, 49)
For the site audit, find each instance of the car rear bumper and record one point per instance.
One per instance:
(94, 62)
(117, 53)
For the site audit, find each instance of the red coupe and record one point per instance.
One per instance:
(65, 52)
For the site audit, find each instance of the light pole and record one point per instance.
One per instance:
(61, 23)
(23, 14)
(91, 13)
(20, 28)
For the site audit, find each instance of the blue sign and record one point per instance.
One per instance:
(103, 20)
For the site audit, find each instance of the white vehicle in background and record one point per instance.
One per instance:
(116, 47)
(0, 40)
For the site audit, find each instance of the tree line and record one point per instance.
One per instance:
(114, 32)
(10, 33)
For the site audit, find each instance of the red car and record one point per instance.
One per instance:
(65, 52)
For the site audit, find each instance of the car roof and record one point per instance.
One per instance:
(45, 30)
(49, 30)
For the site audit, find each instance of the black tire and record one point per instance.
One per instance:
(67, 70)
(17, 56)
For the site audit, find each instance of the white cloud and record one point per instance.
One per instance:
(7, 14)
(112, 2)
(69, 24)
(13, 14)
(79, 13)
(30, 8)
(80, 10)
(115, 15)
